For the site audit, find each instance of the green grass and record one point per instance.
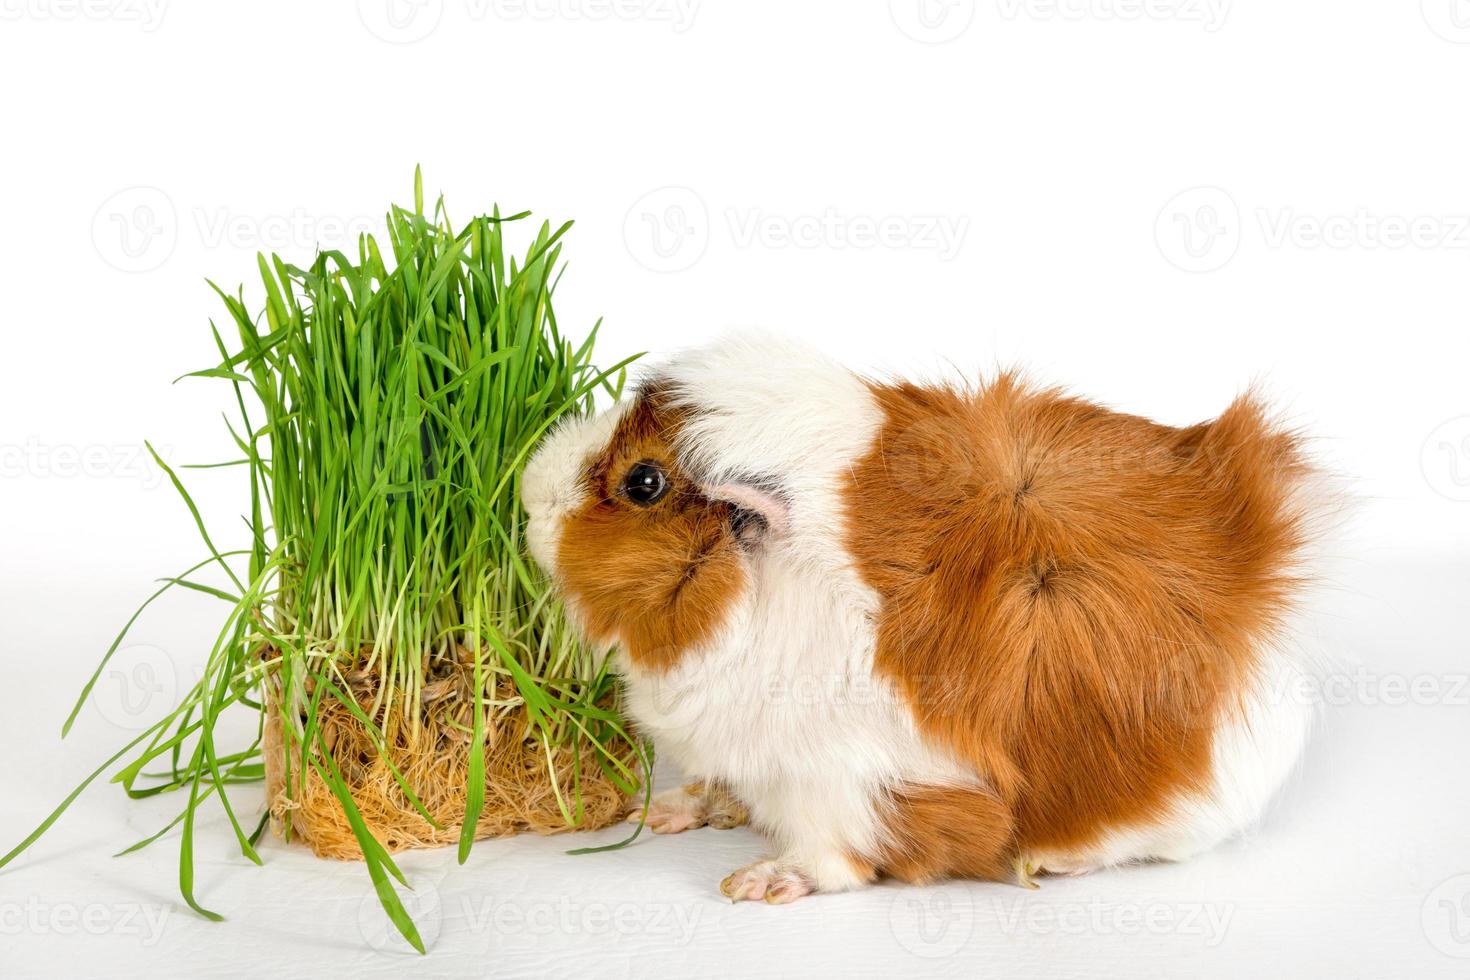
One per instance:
(383, 407)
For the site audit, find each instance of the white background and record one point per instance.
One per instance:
(1154, 202)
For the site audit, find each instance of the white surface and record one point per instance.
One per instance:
(1026, 191)
(1348, 877)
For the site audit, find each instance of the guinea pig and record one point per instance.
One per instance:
(926, 631)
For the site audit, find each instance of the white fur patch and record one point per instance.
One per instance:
(783, 706)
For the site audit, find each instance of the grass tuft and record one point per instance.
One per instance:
(384, 405)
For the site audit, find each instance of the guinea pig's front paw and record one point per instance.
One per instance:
(778, 882)
(695, 805)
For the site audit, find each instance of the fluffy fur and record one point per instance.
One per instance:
(933, 631)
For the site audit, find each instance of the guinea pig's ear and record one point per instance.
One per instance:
(759, 508)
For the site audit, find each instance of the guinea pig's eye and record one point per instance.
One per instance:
(645, 484)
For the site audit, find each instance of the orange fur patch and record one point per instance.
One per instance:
(1070, 599)
(946, 832)
(657, 579)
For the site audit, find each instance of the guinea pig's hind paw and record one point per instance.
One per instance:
(773, 881)
(695, 805)
(1024, 870)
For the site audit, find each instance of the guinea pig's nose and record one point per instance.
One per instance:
(539, 501)
(553, 482)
